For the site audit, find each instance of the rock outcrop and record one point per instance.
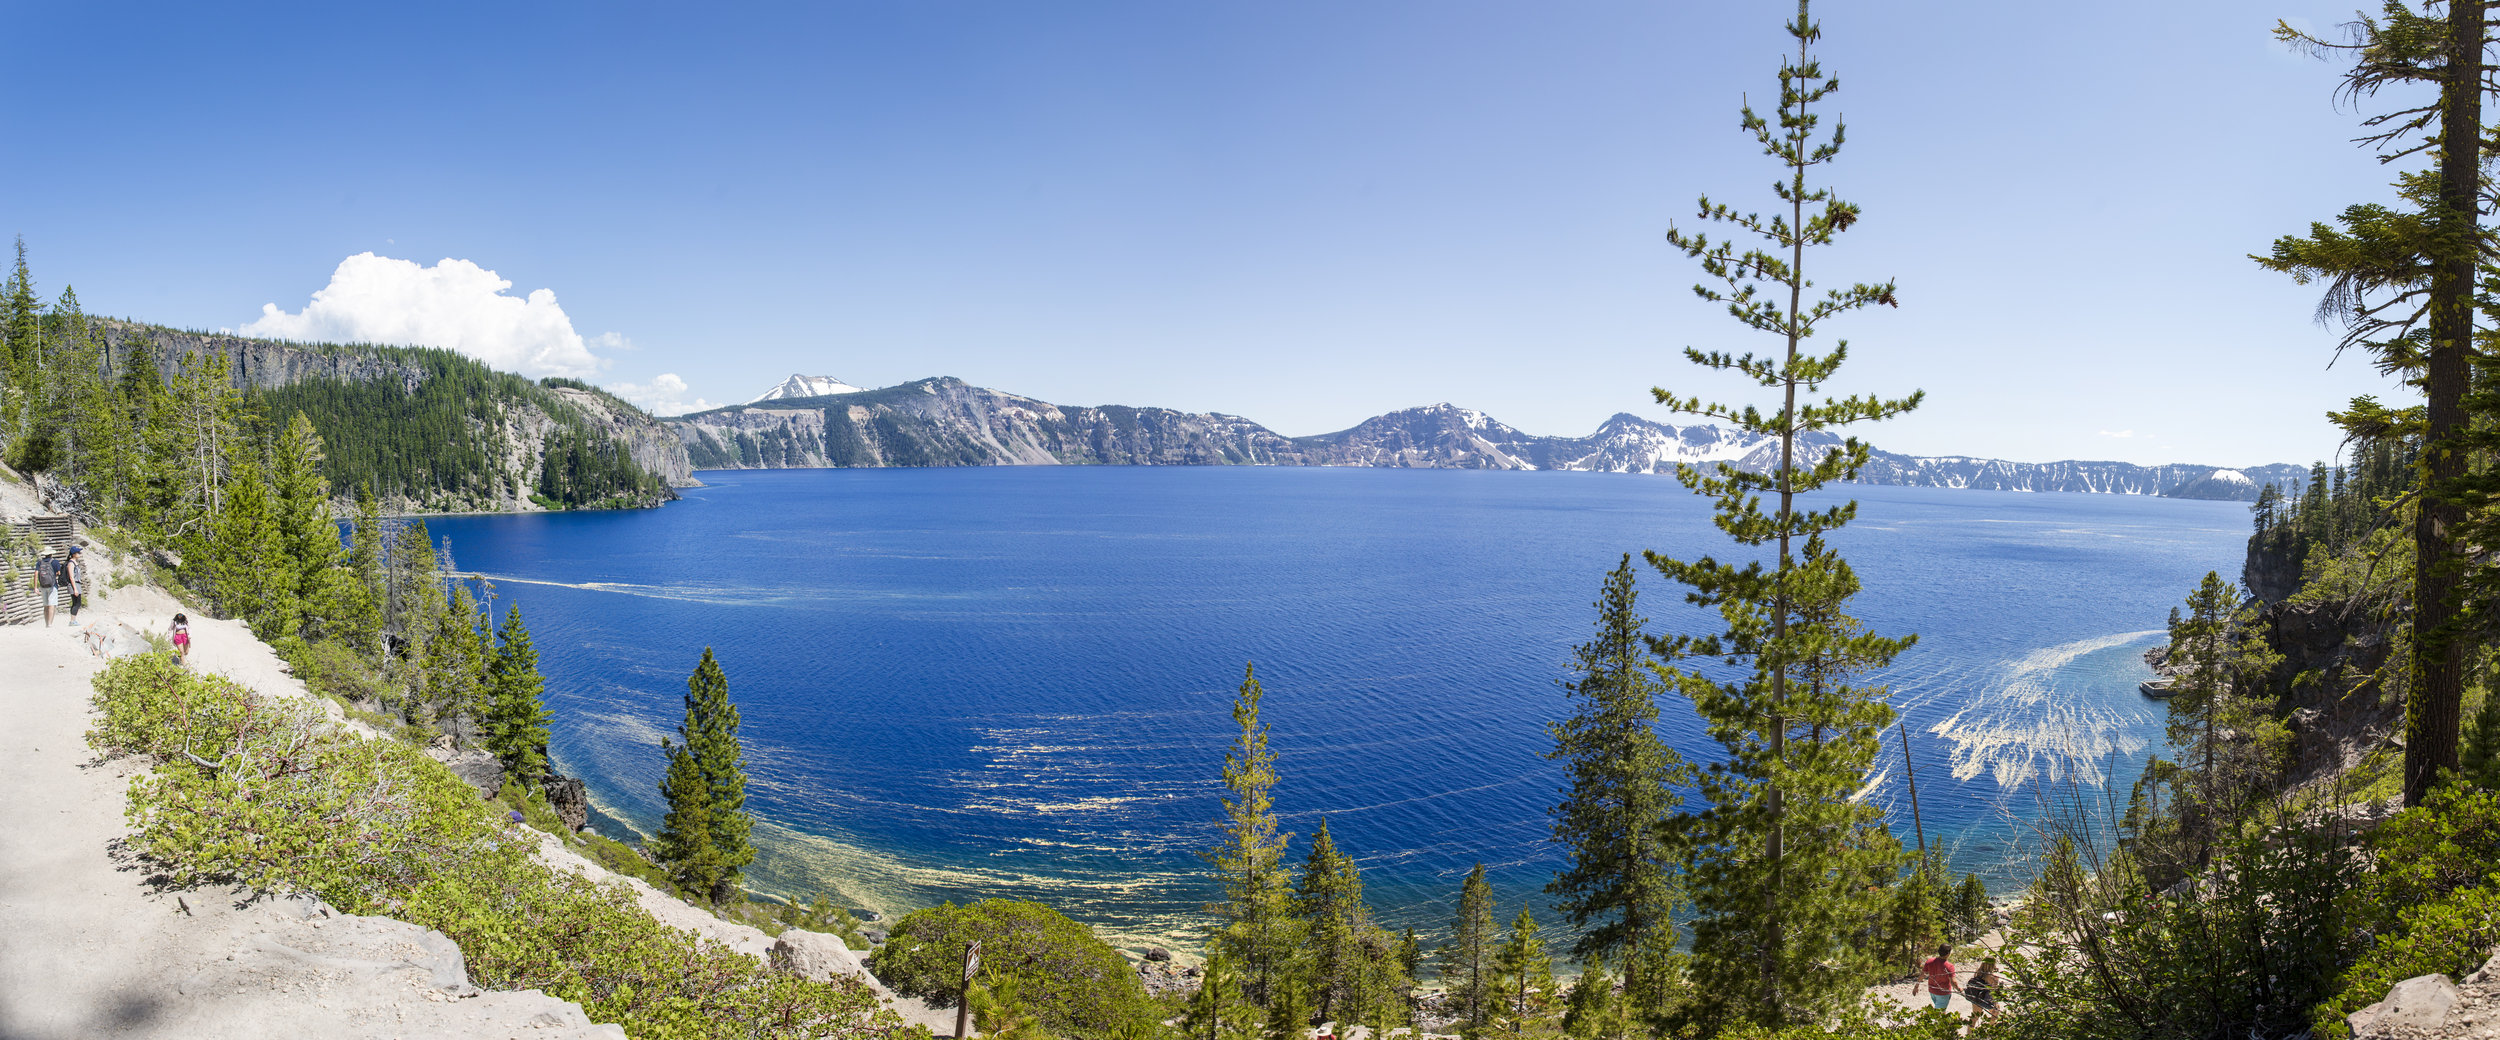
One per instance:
(2431, 1007)
(947, 422)
(814, 956)
(570, 799)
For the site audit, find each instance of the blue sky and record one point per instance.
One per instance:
(1305, 213)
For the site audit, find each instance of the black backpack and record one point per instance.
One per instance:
(48, 573)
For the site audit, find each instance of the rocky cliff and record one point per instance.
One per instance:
(501, 429)
(947, 422)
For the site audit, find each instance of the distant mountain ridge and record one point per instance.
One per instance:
(947, 422)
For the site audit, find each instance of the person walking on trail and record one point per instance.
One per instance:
(182, 640)
(74, 570)
(50, 575)
(1939, 974)
(1982, 991)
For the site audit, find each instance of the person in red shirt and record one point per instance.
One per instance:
(1940, 984)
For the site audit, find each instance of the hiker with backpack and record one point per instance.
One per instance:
(50, 575)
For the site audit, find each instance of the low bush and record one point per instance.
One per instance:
(1077, 984)
(268, 793)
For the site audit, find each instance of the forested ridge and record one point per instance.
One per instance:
(425, 429)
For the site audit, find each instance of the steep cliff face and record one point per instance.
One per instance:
(254, 364)
(433, 430)
(646, 440)
(946, 422)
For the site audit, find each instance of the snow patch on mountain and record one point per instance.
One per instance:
(806, 386)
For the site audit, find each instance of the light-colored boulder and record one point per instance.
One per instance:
(815, 956)
(2420, 1003)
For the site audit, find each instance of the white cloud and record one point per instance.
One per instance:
(2120, 434)
(665, 394)
(454, 304)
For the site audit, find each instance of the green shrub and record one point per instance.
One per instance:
(2431, 901)
(269, 794)
(1076, 983)
(2452, 936)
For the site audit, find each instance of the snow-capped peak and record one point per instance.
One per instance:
(2232, 476)
(807, 386)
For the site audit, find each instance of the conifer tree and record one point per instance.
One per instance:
(1256, 925)
(459, 661)
(2478, 759)
(1467, 968)
(703, 841)
(202, 420)
(1775, 866)
(21, 331)
(1288, 1008)
(1347, 951)
(1593, 1013)
(1526, 973)
(413, 597)
(2403, 280)
(309, 532)
(1218, 1011)
(515, 723)
(1618, 887)
(362, 588)
(248, 570)
(2225, 655)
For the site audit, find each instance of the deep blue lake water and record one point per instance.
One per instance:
(960, 683)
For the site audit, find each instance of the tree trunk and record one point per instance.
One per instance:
(2433, 704)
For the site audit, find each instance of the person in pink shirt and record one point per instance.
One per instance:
(1939, 978)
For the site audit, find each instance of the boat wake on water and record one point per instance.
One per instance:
(2036, 717)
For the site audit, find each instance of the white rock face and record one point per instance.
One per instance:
(814, 956)
(2416, 1005)
(807, 386)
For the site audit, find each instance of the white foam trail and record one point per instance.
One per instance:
(2019, 720)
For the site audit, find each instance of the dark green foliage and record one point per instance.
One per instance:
(2102, 951)
(1256, 926)
(442, 440)
(703, 840)
(1468, 971)
(1078, 985)
(1526, 976)
(251, 576)
(2404, 280)
(1350, 967)
(1778, 865)
(1618, 889)
(1594, 1013)
(1218, 1011)
(515, 718)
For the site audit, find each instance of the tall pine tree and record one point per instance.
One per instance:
(2403, 281)
(249, 573)
(1527, 975)
(305, 526)
(1776, 865)
(703, 841)
(1468, 972)
(515, 721)
(1256, 925)
(1350, 971)
(1618, 887)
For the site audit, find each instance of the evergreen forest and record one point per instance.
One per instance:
(2320, 824)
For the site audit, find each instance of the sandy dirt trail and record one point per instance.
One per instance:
(89, 949)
